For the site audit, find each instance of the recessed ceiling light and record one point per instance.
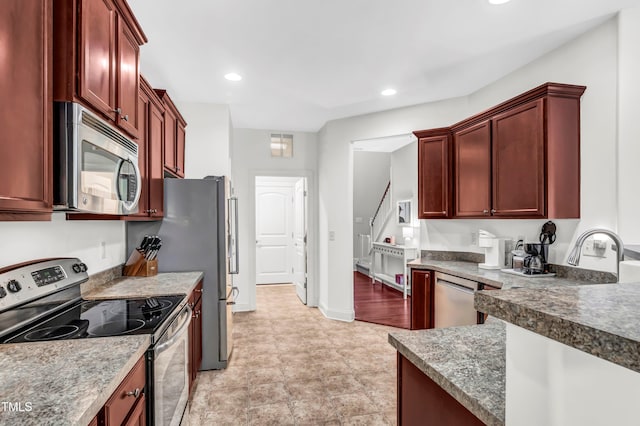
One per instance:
(388, 92)
(499, 1)
(232, 76)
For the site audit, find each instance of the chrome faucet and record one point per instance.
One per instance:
(574, 256)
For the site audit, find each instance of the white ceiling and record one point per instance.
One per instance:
(305, 62)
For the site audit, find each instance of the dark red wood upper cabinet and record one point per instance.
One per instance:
(174, 136)
(180, 149)
(156, 161)
(97, 59)
(518, 161)
(421, 299)
(434, 192)
(129, 82)
(25, 86)
(472, 171)
(143, 154)
(97, 55)
(170, 140)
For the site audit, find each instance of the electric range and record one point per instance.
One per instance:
(42, 301)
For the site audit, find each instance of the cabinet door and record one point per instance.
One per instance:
(180, 150)
(138, 417)
(169, 140)
(421, 295)
(143, 153)
(197, 353)
(421, 401)
(128, 80)
(518, 162)
(156, 161)
(472, 171)
(433, 177)
(97, 51)
(25, 87)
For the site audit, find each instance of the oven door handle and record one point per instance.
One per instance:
(183, 329)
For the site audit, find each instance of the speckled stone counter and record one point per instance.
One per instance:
(65, 382)
(490, 277)
(162, 284)
(467, 362)
(602, 320)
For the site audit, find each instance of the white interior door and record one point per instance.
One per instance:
(274, 234)
(300, 238)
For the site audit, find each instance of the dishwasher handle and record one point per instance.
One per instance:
(455, 286)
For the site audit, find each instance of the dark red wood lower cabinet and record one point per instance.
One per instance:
(422, 402)
(421, 299)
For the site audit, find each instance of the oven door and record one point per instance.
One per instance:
(171, 372)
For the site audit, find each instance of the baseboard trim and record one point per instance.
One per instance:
(346, 316)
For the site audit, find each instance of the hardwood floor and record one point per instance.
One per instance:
(380, 304)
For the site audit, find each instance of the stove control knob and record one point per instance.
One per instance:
(3, 292)
(79, 267)
(14, 286)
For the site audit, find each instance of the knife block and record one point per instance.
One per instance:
(138, 266)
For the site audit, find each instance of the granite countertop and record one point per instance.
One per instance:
(492, 277)
(601, 320)
(163, 284)
(467, 362)
(64, 382)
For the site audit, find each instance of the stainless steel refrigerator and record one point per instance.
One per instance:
(199, 233)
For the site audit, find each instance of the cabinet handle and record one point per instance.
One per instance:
(485, 211)
(231, 303)
(493, 211)
(200, 290)
(178, 168)
(117, 111)
(444, 212)
(135, 393)
(197, 314)
(125, 117)
(148, 211)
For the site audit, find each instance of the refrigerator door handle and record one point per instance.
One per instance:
(234, 265)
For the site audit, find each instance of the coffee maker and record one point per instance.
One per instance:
(535, 260)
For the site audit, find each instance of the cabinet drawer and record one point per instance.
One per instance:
(120, 404)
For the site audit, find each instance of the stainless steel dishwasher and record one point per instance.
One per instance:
(453, 301)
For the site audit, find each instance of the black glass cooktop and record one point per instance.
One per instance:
(101, 318)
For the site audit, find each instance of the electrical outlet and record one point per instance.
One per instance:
(594, 248)
(474, 238)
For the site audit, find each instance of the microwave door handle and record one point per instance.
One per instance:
(138, 183)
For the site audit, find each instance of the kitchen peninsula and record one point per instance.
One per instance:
(553, 351)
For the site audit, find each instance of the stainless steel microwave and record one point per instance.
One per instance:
(95, 166)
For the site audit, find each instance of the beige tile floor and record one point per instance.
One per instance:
(292, 366)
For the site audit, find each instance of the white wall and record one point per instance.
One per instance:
(251, 157)
(371, 173)
(208, 140)
(628, 125)
(591, 60)
(404, 178)
(23, 241)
